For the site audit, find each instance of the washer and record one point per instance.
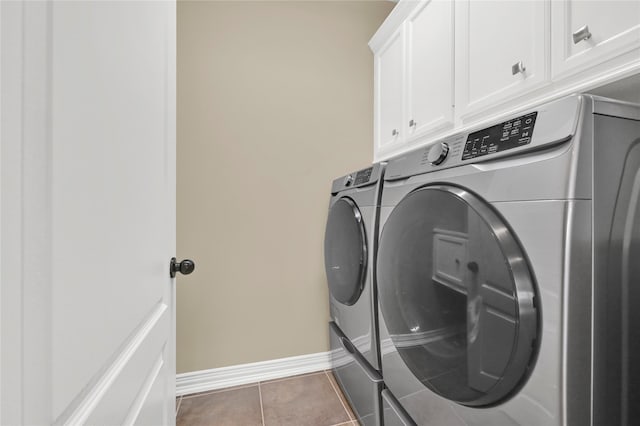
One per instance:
(349, 252)
(508, 272)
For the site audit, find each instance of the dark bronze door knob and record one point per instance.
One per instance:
(185, 267)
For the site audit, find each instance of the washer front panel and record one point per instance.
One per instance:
(456, 295)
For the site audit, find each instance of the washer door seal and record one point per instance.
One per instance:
(457, 295)
(345, 251)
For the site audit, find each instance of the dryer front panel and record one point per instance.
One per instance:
(457, 296)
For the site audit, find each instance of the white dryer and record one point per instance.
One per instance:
(349, 253)
(508, 274)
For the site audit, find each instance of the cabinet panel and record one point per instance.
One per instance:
(389, 69)
(612, 28)
(430, 68)
(442, 65)
(492, 37)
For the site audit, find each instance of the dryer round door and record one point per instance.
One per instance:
(345, 251)
(457, 295)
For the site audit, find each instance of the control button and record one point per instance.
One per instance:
(438, 153)
(348, 180)
(527, 121)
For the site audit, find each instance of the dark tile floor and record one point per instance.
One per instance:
(308, 400)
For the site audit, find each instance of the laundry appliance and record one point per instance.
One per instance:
(508, 272)
(349, 252)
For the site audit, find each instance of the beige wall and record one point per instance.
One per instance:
(274, 101)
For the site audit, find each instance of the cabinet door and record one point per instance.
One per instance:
(430, 68)
(389, 89)
(612, 28)
(491, 38)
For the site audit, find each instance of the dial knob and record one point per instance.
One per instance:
(348, 180)
(438, 153)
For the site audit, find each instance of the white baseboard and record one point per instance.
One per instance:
(224, 377)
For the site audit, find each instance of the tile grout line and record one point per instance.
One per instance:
(350, 422)
(205, 393)
(338, 395)
(261, 407)
(178, 407)
(281, 379)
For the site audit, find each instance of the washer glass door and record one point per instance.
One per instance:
(345, 251)
(457, 295)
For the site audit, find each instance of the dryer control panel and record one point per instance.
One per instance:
(363, 176)
(359, 179)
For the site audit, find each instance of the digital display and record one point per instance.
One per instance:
(363, 176)
(507, 135)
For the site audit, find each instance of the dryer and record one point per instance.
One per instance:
(349, 252)
(507, 272)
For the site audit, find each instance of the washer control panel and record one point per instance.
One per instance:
(507, 135)
(554, 123)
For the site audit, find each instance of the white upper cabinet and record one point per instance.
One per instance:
(430, 68)
(389, 81)
(413, 73)
(587, 33)
(501, 51)
(445, 66)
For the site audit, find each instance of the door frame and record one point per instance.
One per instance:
(25, 201)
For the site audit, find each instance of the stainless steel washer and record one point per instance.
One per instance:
(507, 272)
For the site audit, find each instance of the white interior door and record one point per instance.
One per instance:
(88, 212)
